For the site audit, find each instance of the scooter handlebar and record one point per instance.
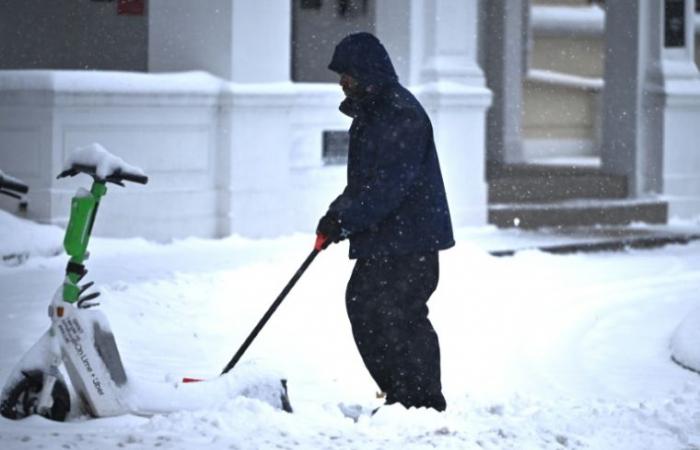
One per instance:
(134, 178)
(12, 184)
(115, 177)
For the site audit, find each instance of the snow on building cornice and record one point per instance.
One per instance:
(567, 20)
(111, 82)
(573, 20)
(566, 80)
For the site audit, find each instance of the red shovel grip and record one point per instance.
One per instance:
(191, 380)
(320, 242)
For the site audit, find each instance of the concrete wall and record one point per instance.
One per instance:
(75, 34)
(274, 180)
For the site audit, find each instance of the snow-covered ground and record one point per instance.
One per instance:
(539, 351)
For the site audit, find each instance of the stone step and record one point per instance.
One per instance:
(523, 184)
(581, 212)
(611, 245)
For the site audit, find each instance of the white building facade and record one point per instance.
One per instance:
(229, 121)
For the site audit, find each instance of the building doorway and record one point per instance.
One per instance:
(544, 132)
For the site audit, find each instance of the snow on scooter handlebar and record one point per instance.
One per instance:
(96, 161)
(80, 340)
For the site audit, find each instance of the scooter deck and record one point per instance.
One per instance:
(92, 360)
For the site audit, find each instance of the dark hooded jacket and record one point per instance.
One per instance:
(394, 202)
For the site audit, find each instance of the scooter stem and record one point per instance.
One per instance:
(84, 207)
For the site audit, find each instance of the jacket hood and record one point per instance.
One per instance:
(363, 57)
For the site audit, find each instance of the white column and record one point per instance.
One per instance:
(632, 134)
(393, 28)
(504, 38)
(256, 115)
(262, 33)
(681, 117)
(450, 42)
(452, 89)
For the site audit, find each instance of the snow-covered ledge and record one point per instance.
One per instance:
(166, 124)
(567, 20)
(574, 20)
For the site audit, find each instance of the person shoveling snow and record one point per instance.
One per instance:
(394, 211)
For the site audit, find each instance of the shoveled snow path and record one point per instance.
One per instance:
(539, 351)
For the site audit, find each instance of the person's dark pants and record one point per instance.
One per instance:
(387, 305)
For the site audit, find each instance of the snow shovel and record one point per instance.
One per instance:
(318, 247)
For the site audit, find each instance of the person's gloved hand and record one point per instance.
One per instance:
(331, 227)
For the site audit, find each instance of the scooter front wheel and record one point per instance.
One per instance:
(22, 398)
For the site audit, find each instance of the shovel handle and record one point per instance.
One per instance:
(321, 243)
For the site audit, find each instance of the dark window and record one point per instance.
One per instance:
(674, 23)
(352, 8)
(311, 4)
(131, 7)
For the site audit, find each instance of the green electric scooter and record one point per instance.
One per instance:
(80, 340)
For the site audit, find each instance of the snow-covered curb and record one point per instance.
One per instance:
(685, 343)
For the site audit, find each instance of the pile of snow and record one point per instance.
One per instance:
(22, 239)
(685, 345)
(250, 380)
